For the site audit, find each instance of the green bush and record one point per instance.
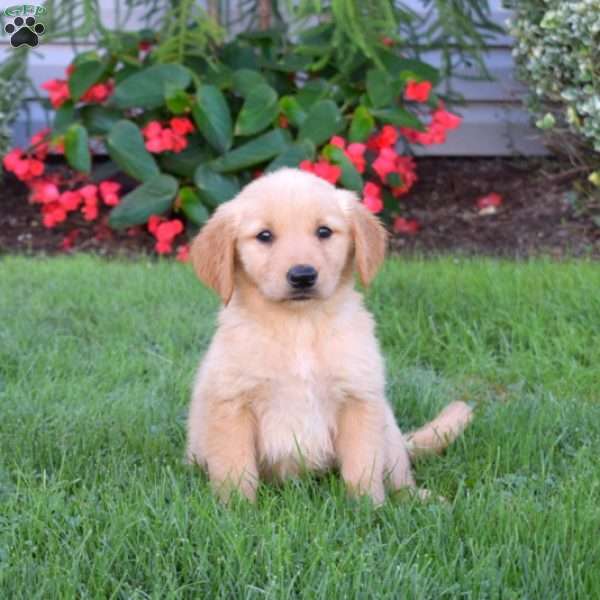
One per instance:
(558, 54)
(189, 113)
(12, 86)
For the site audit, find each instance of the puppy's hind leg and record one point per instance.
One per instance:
(397, 459)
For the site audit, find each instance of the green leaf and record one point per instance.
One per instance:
(245, 80)
(399, 117)
(214, 188)
(258, 112)
(323, 121)
(192, 206)
(184, 163)
(212, 116)
(77, 151)
(260, 149)
(177, 100)
(293, 156)
(99, 119)
(147, 88)
(350, 178)
(362, 124)
(126, 147)
(292, 111)
(153, 197)
(63, 118)
(379, 89)
(85, 75)
(238, 55)
(409, 68)
(312, 92)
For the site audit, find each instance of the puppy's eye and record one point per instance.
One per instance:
(324, 232)
(265, 236)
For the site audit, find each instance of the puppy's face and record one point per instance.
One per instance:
(293, 244)
(292, 236)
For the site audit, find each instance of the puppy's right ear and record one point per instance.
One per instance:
(213, 253)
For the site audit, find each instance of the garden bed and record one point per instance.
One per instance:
(535, 217)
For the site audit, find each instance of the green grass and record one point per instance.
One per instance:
(96, 362)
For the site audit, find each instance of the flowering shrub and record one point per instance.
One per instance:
(184, 137)
(558, 53)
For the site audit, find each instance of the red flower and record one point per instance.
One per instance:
(69, 240)
(58, 91)
(178, 143)
(154, 145)
(387, 137)
(387, 41)
(417, 92)
(89, 193)
(355, 153)
(90, 211)
(24, 168)
(165, 232)
(70, 200)
(441, 122)
(491, 200)
(98, 93)
(144, 46)
(44, 192)
(372, 197)
(323, 169)
(338, 141)
(40, 144)
(163, 139)
(408, 226)
(385, 163)
(109, 190)
(53, 214)
(446, 119)
(406, 169)
(183, 253)
(283, 122)
(181, 125)
(152, 130)
(153, 222)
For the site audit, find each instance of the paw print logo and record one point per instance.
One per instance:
(24, 31)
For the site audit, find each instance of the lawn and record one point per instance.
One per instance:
(96, 362)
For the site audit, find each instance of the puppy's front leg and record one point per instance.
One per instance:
(230, 452)
(359, 448)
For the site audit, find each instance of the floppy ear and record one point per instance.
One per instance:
(370, 237)
(213, 253)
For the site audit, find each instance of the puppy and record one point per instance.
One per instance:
(294, 379)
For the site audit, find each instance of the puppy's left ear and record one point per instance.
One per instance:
(213, 253)
(370, 237)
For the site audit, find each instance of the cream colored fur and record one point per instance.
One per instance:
(291, 385)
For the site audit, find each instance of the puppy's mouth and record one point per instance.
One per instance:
(301, 296)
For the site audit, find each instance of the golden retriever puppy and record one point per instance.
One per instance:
(294, 379)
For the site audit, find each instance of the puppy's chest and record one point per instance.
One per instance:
(296, 416)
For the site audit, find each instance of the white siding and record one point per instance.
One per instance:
(495, 122)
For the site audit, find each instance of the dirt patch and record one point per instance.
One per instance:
(535, 218)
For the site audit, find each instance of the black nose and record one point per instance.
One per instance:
(301, 277)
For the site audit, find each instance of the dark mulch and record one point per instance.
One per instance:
(534, 219)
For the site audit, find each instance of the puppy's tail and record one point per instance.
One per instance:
(437, 435)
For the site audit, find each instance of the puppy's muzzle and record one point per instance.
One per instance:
(302, 277)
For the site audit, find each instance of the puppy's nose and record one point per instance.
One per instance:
(302, 277)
